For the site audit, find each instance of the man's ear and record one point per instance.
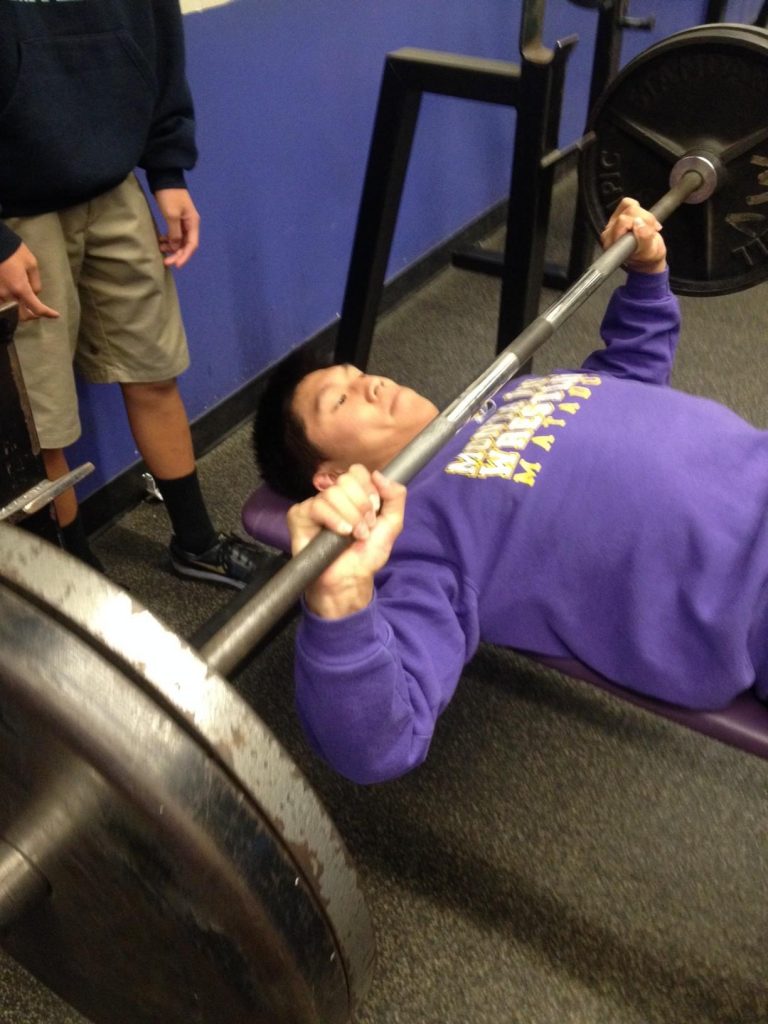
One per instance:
(325, 476)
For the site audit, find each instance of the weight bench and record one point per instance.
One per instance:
(743, 724)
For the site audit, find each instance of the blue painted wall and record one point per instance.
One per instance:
(285, 94)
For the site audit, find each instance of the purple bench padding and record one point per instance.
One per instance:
(263, 517)
(743, 724)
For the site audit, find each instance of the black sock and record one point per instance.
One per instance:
(75, 540)
(189, 517)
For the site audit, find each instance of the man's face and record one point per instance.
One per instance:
(352, 416)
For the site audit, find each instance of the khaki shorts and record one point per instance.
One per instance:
(101, 268)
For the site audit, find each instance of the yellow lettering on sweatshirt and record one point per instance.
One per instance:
(466, 464)
(544, 441)
(499, 464)
(528, 474)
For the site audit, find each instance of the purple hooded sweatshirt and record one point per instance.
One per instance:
(597, 515)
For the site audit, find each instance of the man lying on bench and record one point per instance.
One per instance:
(593, 514)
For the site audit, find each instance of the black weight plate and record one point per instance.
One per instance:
(704, 89)
(716, 27)
(194, 875)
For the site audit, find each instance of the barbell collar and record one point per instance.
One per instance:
(231, 645)
(705, 164)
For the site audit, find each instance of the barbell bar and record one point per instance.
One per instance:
(231, 645)
(687, 114)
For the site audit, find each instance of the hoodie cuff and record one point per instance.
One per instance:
(647, 286)
(9, 242)
(160, 179)
(338, 639)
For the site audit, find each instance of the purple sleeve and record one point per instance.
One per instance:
(370, 687)
(641, 329)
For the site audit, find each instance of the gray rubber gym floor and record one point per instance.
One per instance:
(562, 858)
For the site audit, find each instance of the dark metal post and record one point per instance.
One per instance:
(605, 63)
(715, 10)
(394, 126)
(611, 23)
(408, 73)
(530, 193)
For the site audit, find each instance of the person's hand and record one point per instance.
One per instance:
(182, 225)
(349, 507)
(20, 282)
(650, 257)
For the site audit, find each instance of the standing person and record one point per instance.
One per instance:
(90, 90)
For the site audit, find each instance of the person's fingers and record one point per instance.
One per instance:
(392, 494)
(174, 235)
(389, 523)
(349, 508)
(354, 500)
(173, 239)
(619, 224)
(301, 526)
(629, 216)
(364, 492)
(30, 307)
(35, 281)
(182, 236)
(333, 510)
(190, 240)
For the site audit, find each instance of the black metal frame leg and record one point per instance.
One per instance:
(408, 74)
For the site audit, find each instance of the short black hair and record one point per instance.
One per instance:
(286, 460)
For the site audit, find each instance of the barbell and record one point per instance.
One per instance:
(162, 857)
(720, 170)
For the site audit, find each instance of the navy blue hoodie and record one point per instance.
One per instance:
(89, 90)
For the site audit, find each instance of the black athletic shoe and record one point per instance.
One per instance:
(231, 561)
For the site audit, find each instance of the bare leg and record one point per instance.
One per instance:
(160, 427)
(56, 465)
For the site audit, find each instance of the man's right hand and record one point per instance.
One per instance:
(650, 257)
(20, 282)
(349, 508)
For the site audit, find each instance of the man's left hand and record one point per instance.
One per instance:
(182, 223)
